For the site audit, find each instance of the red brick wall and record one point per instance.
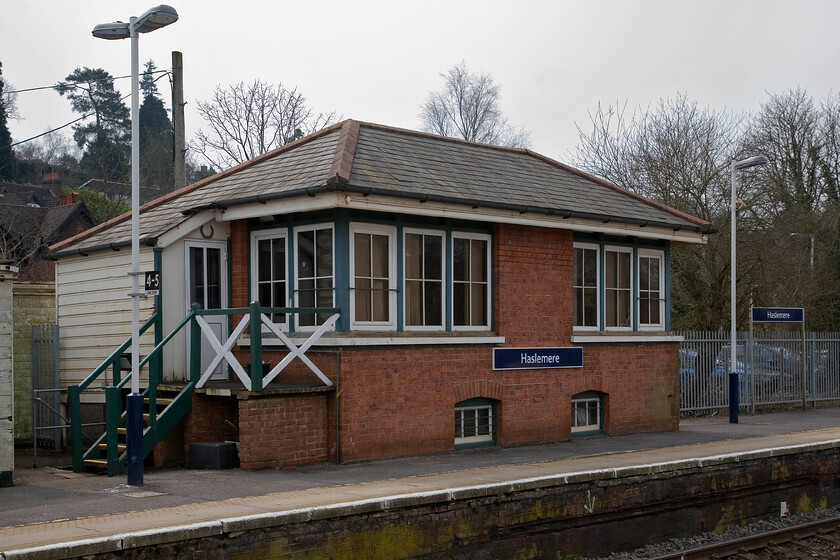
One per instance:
(399, 400)
(282, 431)
(533, 285)
(239, 263)
(212, 418)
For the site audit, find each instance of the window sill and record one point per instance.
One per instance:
(637, 337)
(383, 339)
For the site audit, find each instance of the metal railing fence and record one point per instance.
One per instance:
(769, 367)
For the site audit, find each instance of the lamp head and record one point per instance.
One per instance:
(153, 18)
(115, 30)
(751, 162)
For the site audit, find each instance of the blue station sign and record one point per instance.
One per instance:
(537, 358)
(778, 315)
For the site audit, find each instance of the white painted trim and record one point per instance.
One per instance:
(488, 275)
(617, 338)
(620, 249)
(330, 225)
(320, 201)
(597, 248)
(482, 214)
(384, 341)
(181, 230)
(380, 203)
(443, 249)
(272, 234)
(660, 256)
(390, 232)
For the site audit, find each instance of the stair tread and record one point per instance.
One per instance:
(160, 401)
(96, 462)
(120, 446)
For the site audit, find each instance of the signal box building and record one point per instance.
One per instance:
(401, 294)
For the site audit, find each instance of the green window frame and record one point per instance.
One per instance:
(587, 413)
(475, 423)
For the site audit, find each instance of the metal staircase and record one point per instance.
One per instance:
(162, 411)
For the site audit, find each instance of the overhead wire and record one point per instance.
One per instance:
(83, 117)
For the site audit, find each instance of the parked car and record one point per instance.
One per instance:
(769, 362)
(688, 365)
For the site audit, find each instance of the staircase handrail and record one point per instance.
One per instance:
(116, 354)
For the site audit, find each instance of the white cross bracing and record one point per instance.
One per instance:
(223, 350)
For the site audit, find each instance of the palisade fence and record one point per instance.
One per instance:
(770, 369)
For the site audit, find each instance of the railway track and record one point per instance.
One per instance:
(818, 539)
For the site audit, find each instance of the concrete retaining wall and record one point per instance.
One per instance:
(34, 305)
(559, 516)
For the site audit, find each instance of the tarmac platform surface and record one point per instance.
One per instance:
(50, 506)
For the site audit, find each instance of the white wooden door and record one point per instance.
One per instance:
(206, 274)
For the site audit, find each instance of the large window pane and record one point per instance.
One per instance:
(324, 252)
(585, 286)
(214, 278)
(432, 257)
(270, 266)
(423, 279)
(197, 294)
(617, 289)
(413, 302)
(413, 256)
(372, 276)
(314, 273)
(650, 295)
(433, 295)
(460, 259)
(470, 289)
(363, 299)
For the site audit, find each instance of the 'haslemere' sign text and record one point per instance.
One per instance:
(537, 358)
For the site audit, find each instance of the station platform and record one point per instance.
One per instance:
(52, 512)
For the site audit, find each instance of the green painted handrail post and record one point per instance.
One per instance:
(115, 365)
(195, 346)
(75, 409)
(256, 347)
(113, 408)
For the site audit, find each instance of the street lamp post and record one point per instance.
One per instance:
(733, 353)
(153, 18)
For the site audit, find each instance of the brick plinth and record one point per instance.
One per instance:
(282, 431)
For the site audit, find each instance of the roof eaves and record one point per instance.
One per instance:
(57, 248)
(622, 190)
(332, 186)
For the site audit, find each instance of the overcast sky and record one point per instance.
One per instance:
(377, 61)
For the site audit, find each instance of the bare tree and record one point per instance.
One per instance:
(679, 154)
(244, 121)
(676, 153)
(787, 130)
(468, 107)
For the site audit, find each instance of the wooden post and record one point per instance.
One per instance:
(256, 347)
(180, 147)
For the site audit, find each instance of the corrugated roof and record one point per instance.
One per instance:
(368, 158)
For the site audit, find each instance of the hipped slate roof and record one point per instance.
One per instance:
(356, 157)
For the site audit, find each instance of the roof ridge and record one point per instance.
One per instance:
(194, 186)
(345, 151)
(441, 138)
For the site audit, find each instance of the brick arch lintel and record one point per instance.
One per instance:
(479, 388)
(584, 385)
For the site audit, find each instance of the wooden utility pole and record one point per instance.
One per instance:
(178, 119)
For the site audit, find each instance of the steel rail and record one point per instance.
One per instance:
(754, 542)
